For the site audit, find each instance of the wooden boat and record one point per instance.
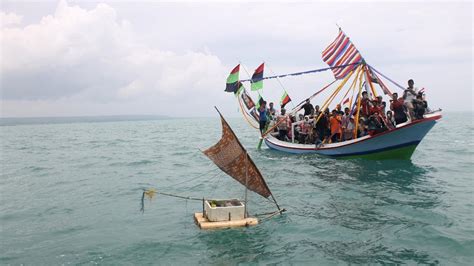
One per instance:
(348, 67)
(397, 143)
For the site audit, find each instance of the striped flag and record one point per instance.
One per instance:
(285, 99)
(341, 52)
(233, 84)
(257, 82)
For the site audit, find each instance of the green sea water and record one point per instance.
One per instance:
(70, 194)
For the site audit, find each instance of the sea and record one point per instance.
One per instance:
(71, 189)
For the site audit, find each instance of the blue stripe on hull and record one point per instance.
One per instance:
(378, 150)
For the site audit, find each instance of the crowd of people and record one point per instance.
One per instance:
(315, 126)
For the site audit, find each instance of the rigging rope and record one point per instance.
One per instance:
(387, 78)
(300, 73)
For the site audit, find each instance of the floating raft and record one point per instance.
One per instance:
(204, 223)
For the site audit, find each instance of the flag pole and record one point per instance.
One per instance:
(281, 84)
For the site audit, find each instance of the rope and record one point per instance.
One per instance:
(387, 78)
(194, 178)
(299, 73)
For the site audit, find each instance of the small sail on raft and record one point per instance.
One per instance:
(232, 158)
(349, 68)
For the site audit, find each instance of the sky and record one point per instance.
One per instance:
(83, 58)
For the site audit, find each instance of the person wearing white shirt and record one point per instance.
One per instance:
(408, 96)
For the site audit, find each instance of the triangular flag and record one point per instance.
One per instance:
(257, 78)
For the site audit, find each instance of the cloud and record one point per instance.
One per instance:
(9, 19)
(92, 55)
(173, 58)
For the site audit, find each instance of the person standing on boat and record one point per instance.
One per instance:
(283, 122)
(365, 105)
(409, 95)
(397, 107)
(308, 108)
(335, 122)
(322, 126)
(420, 106)
(263, 116)
(349, 133)
(271, 110)
(344, 124)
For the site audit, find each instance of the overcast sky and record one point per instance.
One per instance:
(73, 58)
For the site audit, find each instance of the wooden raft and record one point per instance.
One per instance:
(204, 223)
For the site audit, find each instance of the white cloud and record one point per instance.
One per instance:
(166, 58)
(91, 55)
(9, 19)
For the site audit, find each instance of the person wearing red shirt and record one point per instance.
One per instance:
(398, 108)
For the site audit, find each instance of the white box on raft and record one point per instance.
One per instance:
(204, 223)
(224, 210)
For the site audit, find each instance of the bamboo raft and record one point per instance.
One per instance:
(204, 223)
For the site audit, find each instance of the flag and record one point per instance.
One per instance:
(259, 102)
(354, 105)
(346, 101)
(247, 100)
(341, 52)
(231, 157)
(233, 84)
(257, 81)
(285, 99)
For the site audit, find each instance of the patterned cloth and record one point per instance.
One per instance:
(229, 155)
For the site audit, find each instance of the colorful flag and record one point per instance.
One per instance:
(257, 81)
(259, 102)
(233, 84)
(247, 100)
(346, 101)
(339, 53)
(285, 99)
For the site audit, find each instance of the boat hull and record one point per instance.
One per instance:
(399, 143)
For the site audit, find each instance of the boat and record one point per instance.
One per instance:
(349, 67)
(230, 156)
(398, 143)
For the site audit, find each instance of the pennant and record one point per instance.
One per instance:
(346, 101)
(233, 84)
(257, 81)
(342, 55)
(284, 99)
(259, 102)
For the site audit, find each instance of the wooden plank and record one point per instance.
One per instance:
(203, 223)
